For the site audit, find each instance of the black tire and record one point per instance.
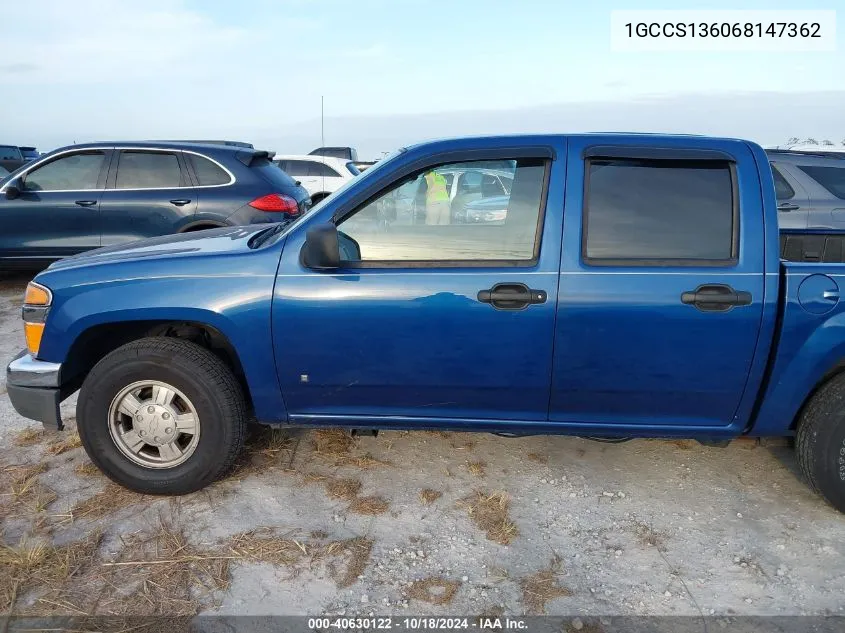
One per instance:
(820, 442)
(195, 371)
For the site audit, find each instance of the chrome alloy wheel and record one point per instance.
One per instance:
(154, 424)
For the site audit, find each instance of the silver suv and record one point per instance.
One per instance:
(810, 188)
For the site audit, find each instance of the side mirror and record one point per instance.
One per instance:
(321, 250)
(13, 189)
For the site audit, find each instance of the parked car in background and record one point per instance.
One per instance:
(345, 153)
(100, 194)
(466, 183)
(11, 157)
(3, 172)
(29, 153)
(320, 175)
(810, 188)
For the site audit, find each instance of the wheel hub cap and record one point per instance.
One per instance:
(154, 424)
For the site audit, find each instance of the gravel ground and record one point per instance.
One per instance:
(644, 527)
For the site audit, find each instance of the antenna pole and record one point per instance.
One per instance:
(322, 123)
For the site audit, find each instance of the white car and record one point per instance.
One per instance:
(320, 175)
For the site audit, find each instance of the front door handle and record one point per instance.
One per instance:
(511, 296)
(715, 298)
(86, 203)
(788, 206)
(181, 202)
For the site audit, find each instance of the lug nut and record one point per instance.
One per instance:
(167, 430)
(165, 416)
(139, 418)
(142, 433)
(151, 409)
(155, 439)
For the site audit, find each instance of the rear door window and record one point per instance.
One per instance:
(148, 170)
(831, 178)
(648, 212)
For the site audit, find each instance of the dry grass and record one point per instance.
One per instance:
(684, 445)
(346, 489)
(332, 443)
(111, 499)
(87, 469)
(647, 535)
(370, 506)
(161, 573)
(476, 468)
(38, 564)
(350, 559)
(64, 444)
(490, 512)
(346, 559)
(27, 495)
(265, 448)
(540, 588)
(264, 546)
(538, 458)
(429, 496)
(336, 445)
(434, 590)
(29, 436)
(437, 433)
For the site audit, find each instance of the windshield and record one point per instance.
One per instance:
(361, 180)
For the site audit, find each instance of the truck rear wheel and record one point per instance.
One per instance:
(162, 416)
(820, 442)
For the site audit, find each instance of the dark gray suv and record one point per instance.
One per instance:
(810, 188)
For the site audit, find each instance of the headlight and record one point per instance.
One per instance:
(36, 305)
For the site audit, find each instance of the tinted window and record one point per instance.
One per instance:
(640, 209)
(783, 191)
(9, 152)
(297, 168)
(321, 169)
(73, 172)
(208, 172)
(148, 170)
(271, 173)
(831, 178)
(414, 220)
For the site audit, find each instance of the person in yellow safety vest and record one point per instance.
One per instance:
(437, 207)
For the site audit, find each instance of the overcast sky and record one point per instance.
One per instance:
(392, 72)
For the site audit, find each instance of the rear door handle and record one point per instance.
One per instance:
(715, 298)
(181, 202)
(86, 203)
(788, 206)
(511, 296)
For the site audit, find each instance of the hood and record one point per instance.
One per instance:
(231, 239)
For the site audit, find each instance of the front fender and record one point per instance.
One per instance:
(207, 291)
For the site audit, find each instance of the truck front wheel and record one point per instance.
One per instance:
(820, 442)
(162, 416)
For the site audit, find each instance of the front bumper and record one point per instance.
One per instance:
(35, 390)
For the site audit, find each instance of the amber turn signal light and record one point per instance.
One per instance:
(37, 295)
(33, 332)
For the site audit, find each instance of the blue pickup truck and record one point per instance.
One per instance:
(633, 288)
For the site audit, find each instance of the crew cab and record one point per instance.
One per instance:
(633, 289)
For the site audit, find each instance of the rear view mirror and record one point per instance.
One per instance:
(321, 250)
(13, 189)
